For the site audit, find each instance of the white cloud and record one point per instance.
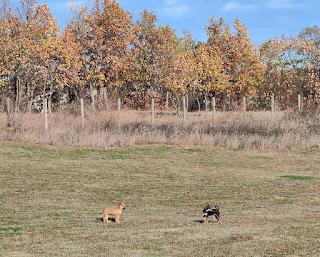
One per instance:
(175, 9)
(236, 6)
(282, 4)
(171, 2)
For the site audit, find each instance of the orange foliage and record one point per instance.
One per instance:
(105, 48)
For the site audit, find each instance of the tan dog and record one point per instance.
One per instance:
(113, 211)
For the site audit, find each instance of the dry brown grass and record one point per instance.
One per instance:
(257, 130)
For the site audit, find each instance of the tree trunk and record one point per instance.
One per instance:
(50, 99)
(105, 98)
(179, 106)
(175, 106)
(187, 102)
(167, 100)
(8, 109)
(30, 93)
(206, 107)
(92, 97)
(18, 95)
(198, 101)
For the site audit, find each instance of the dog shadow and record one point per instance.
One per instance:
(202, 221)
(109, 219)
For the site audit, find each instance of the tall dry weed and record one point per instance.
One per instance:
(231, 129)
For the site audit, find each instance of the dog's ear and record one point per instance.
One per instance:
(206, 208)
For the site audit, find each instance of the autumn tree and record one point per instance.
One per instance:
(310, 48)
(180, 64)
(186, 62)
(7, 19)
(13, 52)
(174, 65)
(211, 79)
(32, 58)
(308, 52)
(110, 37)
(76, 37)
(161, 61)
(280, 76)
(46, 57)
(240, 58)
(292, 69)
(7, 54)
(146, 51)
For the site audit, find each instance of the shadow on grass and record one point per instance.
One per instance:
(109, 219)
(209, 221)
(199, 221)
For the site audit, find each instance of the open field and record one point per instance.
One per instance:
(52, 200)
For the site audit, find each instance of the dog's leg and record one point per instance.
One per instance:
(106, 218)
(219, 220)
(117, 218)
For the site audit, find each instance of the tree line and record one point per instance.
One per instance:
(103, 52)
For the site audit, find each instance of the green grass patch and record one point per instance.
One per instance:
(260, 157)
(14, 229)
(234, 149)
(295, 177)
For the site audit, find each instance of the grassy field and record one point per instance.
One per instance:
(52, 200)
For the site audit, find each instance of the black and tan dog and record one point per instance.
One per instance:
(208, 211)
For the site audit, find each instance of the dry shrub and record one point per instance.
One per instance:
(231, 130)
(142, 100)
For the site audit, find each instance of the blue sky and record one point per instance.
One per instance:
(264, 19)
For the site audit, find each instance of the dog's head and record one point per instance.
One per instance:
(122, 206)
(216, 207)
(206, 208)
